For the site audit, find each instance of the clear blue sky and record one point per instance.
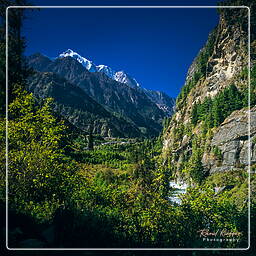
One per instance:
(155, 46)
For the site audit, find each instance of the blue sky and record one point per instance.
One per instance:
(155, 46)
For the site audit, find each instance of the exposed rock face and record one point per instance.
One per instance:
(218, 65)
(232, 140)
(229, 57)
(162, 100)
(227, 45)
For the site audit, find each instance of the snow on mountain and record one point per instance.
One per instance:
(119, 76)
(106, 70)
(89, 65)
(163, 101)
(124, 78)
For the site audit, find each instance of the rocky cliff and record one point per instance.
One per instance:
(231, 138)
(209, 131)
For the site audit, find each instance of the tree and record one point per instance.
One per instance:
(17, 68)
(38, 171)
(194, 114)
(90, 139)
(195, 167)
(217, 112)
(214, 111)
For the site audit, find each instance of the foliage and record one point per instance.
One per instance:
(237, 16)
(17, 69)
(252, 89)
(206, 53)
(115, 195)
(37, 169)
(213, 212)
(217, 153)
(214, 111)
(196, 170)
(185, 90)
(165, 123)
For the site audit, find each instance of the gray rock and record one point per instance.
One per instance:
(232, 140)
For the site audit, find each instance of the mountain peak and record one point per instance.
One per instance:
(69, 52)
(85, 62)
(106, 70)
(122, 77)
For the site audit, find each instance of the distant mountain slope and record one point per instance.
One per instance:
(124, 78)
(122, 100)
(166, 103)
(77, 107)
(162, 100)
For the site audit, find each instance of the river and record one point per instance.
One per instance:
(178, 188)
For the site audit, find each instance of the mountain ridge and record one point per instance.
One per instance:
(120, 99)
(122, 77)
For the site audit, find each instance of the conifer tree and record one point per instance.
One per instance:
(90, 139)
(17, 70)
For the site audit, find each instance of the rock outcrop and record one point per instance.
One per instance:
(231, 138)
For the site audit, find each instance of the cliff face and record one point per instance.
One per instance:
(214, 138)
(217, 64)
(232, 140)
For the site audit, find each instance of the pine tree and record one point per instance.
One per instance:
(196, 169)
(90, 139)
(17, 69)
(194, 114)
(217, 112)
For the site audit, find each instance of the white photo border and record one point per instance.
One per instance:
(249, 129)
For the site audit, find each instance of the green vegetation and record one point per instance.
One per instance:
(38, 170)
(115, 195)
(185, 90)
(214, 111)
(205, 54)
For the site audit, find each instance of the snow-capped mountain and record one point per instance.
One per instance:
(162, 100)
(124, 78)
(89, 65)
(119, 76)
(106, 70)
